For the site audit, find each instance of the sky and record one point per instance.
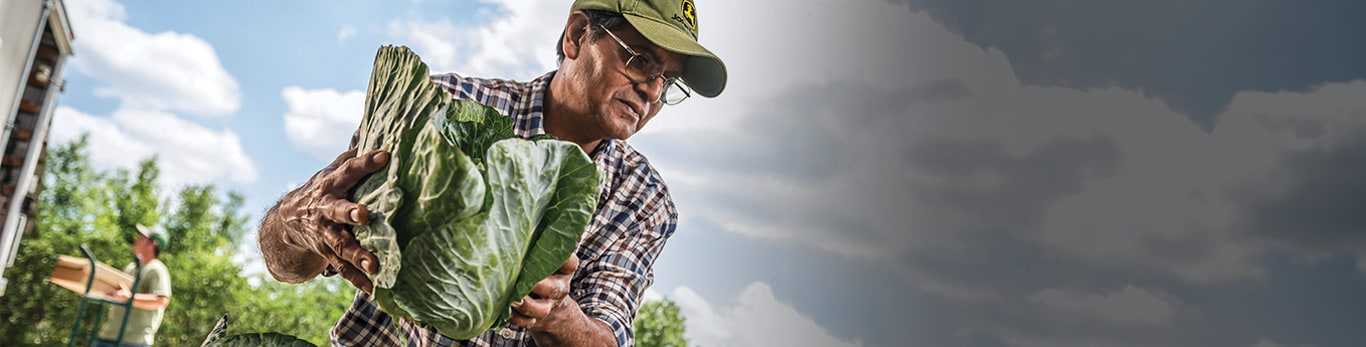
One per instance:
(876, 173)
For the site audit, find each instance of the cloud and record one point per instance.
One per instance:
(435, 41)
(161, 71)
(929, 159)
(154, 77)
(757, 319)
(1106, 43)
(929, 156)
(321, 121)
(1311, 145)
(652, 295)
(519, 44)
(187, 153)
(1130, 305)
(345, 33)
(1269, 343)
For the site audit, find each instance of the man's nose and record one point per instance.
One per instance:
(653, 89)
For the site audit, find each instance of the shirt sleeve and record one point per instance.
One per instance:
(159, 281)
(156, 279)
(609, 287)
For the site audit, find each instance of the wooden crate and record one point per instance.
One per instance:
(73, 272)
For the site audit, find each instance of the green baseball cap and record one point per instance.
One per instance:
(155, 234)
(671, 24)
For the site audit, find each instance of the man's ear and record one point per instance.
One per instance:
(575, 30)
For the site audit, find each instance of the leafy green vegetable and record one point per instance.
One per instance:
(465, 218)
(218, 337)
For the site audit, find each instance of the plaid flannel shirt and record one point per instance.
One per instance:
(635, 217)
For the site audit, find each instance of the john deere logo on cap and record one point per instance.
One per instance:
(689, 14)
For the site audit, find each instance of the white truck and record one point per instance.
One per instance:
(35, 41)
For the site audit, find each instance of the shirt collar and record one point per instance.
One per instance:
(531, 122)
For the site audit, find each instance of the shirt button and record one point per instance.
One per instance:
(506, 333)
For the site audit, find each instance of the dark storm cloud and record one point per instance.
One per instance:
(1027, 183)
(1317, 202)
(1006, 202)
(801, 133)
(1195, 55)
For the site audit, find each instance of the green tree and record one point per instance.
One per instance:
(82, 205)
(72, 210)
(204, 280)
(659, 324)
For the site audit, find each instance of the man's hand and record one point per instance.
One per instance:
(120, 293)
(316, 219)
(541, 307)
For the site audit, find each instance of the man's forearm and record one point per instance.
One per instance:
(287, 263)
(148, 301)
(569, 326)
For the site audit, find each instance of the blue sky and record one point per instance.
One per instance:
(877, 173)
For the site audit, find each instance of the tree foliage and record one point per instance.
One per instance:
(659, 324)
(99, 208)
(82, 205)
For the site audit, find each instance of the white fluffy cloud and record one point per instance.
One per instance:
(321, 121)
(161, 71)
(345, 33)
(186, 152)
(518, 45)
(757, 318)
(152, 76)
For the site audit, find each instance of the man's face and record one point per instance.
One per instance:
(620, 106)
(141, 243)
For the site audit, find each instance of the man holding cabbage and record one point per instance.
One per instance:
(621, 61)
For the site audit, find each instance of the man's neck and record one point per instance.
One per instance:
(559, 116)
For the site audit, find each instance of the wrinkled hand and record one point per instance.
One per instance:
(548, 295)
(320, 216)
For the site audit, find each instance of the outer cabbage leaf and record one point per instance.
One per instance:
(261, 340)
(562, 222)
(218, 337)
(400, 103)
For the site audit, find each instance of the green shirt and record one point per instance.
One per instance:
(142, 324)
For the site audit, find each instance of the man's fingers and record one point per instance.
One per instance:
(521, 320)
(343, 245)
(569, 266)
(550, 289)
(340, 210)
(336, 162)
(353, 170)
(531, 309)
(341, 158)
(358, 279)
(343, 266)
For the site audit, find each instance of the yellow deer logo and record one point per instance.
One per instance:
(690, 14)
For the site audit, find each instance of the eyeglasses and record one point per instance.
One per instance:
(640, 69)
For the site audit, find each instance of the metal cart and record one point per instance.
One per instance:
(102, 302)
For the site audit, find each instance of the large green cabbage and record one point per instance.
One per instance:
(465, 217)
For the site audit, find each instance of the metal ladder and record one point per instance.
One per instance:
(86, 299)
